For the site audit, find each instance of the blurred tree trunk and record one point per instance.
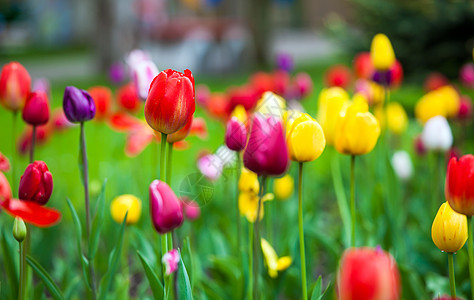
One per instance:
(258, 18)
(105, 10)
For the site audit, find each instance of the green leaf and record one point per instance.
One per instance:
(10, 266)
(114, 258)
(187, 245)
(184, 286)
(78, 229)
(341, 198)
(97, 224)
(316, 295)
(45, 278)
(153, 280)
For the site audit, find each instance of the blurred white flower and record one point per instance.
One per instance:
(401, 163)
(210, 166)
(142, 76)
(135, 57)
(437, 134)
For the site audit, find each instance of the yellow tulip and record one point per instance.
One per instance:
(283, 187)
(449, 230)
(248, 204)
(377, 92)
(121, 204)
(271, 105)
(443, 101)
(331, 103)
(240, 113)
(289, 117)
(397, 120)
(381, 52)
(248, 182)
(451, 100)
(273, 263)
(357, 131)
(305, 139)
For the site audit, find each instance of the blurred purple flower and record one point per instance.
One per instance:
(116, 73)
(285, 62)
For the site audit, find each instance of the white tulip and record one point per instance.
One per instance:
(401, 163)
(142, 75)
(437, 134)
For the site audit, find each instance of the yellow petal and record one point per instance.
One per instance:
(283, 187)
(121, 204)
(284, 263)
(449, 229)
(331, 104)
(270, 257)
(240, 113)
(397, 119)
(381, 52)
(248, 181)
(271, 105)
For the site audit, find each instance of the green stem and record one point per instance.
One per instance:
(301, 232)
(250, 288)
(471, 254)
(169, 164)
(164, 249)
(154, 161)
(452, 281)
(162, 156)
(22, 290)
(14, 190)
(164, 237)
(256, 246)
(237, 211)
(353, 214)
(32, 146)
(85, 174)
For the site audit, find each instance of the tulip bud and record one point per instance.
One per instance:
(381, 52)
(338, 75)
(449, 229)
(102, 97)
(165, 208)
(211, 166)
(142, 75)
(235, 134)
(36, 184)
(191, 209)
(182, 133)
(283, 187)
(14, 86)
(78, 105)
(170, 102)
(331, 103)
(459, 187)
(36, 110)
(171, 260)
(437, 134)
(366, 273)
(127, 98)
(434, 81)
(123, 204)
(305, 139)
(402, 165)
(397, 119)
(19, 230)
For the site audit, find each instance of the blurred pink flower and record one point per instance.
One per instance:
(466, 75)
(171, 260)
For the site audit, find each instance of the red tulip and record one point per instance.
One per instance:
(170, 101)
(124, 122)
(282, 84)
(199, 128)
(465, 108)
(338, 75)
(396, 73)
(236, 134)
(266, 152)
(15, 85)
(262, 82)
(434, 81)
(363, 67)
(165, 208)
(36, 184)
(31, 212)
(138, 139)
(36, 110)
(102, 97)
(4, 163)
(182, 133)
(5, 190)
(459, 187)
(127, 98)
(218, 106)
(246, 96)
(368, 274)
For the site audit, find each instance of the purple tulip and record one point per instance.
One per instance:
(78, 105)
(116, 73)
(165, 207)
(266, 152)
(285, 62)
(384, 78)
(235, 134)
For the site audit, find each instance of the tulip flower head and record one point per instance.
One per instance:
(459, 187)
(305, 139)
(274, 263)
(5, 190)
(4, 163)
(165, 208)
(402, 165)
(466, 75)
(367, 274)
(331, 104)
(127, 98)
(285, 62)
(123, 204)
(191, 209)
(180, 134)
(142, 76)
(444, 101)
(449, 229)
(271, 106)
(36, 183)
(78, 105)
(171, 260)
(15, 84)
(397, 119)
(302, 85)
(36, 109)
(338, 75)
(437, 134)
(266, 152)
(19, 229)
(170, 102)
(102, 97)
(236, 131)
(465, 108)
(363, 66)
(381, 52)
(284, 187)
(210, 166)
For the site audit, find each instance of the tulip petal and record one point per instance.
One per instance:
(31, 212)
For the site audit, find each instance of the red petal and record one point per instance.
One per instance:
(32, 213)
(199, 128)
(123, 122)
(137, 141)
(4, 163)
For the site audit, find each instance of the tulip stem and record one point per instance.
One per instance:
(471, 254)
(85, 174)
(14, 190)
(237, 211)
(452, 281)
(250, 288)
(22, 290)
(164, 249)
(301, 232)
(165, 236)
(353, 214)
(169, 163)
(162, 156)
(256, 246)
(32, 146)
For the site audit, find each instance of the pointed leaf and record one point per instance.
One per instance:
(341, 198)
(10, 268)
(153, 280)
(45, 278)
(97, 223)
(184, 286)
(316, 295)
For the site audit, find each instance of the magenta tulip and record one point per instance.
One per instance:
(165, 207)
(235, 134)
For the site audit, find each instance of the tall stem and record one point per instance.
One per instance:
(162, 156)
(33, 143)
(301, 232)
(237, 211)
(169, 163)
(85, 174)
(452, 281)
(471, 254)
(22, 290)
(164, 237)
(250, 287)
(353, 214)
(256, 246)
(14, 190)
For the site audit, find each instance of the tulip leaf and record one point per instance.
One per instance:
(78, 229)
(155, 284)
(97, 223)
(184, 286)
(341, 198)
(187, 245)
(317, 287)
(9, 265)
(45, 278)
(114, 258)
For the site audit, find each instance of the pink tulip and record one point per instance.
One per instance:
(171, 260)
(191, 209)
(235, 134)
(165, 207)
